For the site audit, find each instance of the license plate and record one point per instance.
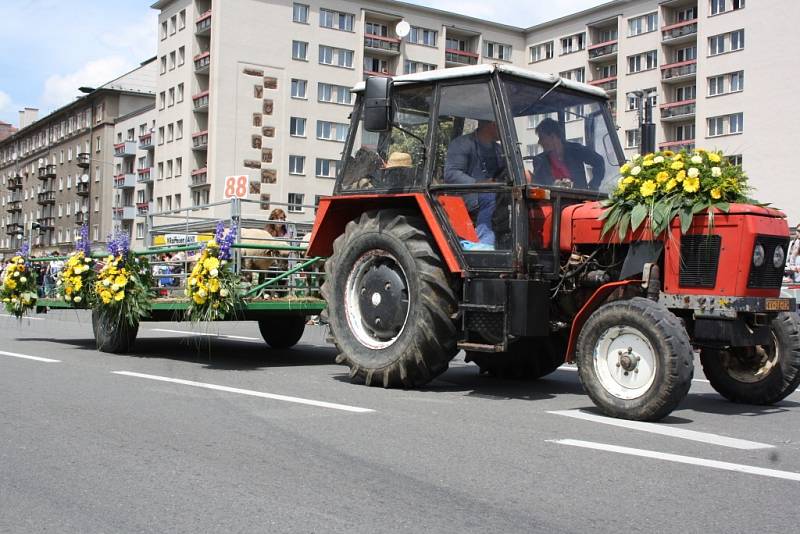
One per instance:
(777, 304)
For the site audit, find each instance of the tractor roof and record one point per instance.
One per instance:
(483, 70)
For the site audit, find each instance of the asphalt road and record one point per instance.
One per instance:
(215, 433)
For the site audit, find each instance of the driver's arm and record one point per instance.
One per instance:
(597, 163)
(457, 164)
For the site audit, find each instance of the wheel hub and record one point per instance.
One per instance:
(625, 362)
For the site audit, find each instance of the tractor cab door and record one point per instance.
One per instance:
(471, 179)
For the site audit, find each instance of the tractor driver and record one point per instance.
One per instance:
(562, 161)
(474, 158)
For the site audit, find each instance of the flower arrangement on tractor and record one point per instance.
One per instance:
(122, 288)
(18, 291)
(656, 188)
(213, 286)
(76, 281)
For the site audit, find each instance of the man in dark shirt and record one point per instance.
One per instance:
(562, 162)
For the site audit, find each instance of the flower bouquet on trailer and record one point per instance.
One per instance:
(657, 187)
(122, 288)
(75, 281)
(18, 291)
(213, 286)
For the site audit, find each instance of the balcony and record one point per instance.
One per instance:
(679, 33)
(50, 171)
(678, 72)
(200, 140)
(146, 141)
(46, 198)
(144, 176)
(674, 111)
(200, 102)
(13, 228)
(123, 213)
(124, 181)
(382, 45)
(202, 26)
(80, 218)
(369, 73)
(609, 84)
(603, 51)
(43, 173)
(202, 63)
(199, 177)
(456, 58)
(143, 208)
(84, 160)
(46, 223)
(125, 149)
(15, 183)
(14, 206)
(82, 189)
(687, 144)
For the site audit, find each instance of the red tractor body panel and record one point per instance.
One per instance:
(335, 212)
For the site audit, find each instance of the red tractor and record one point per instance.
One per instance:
(450, 228)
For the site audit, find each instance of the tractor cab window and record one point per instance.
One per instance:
(564, 137)
(392, 160)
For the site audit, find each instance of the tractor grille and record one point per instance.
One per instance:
(699, 260)
(489, 325)
(767, 276)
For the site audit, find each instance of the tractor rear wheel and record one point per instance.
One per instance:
(390, 303)
(635, 359)
(527, 359)
(115, 337)
(282, 332)
(764, 374)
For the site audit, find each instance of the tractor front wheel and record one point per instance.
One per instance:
(635, 359)
(390, 303)
(764, 374)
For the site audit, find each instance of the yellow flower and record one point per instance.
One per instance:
(680, 176)
(669, 186)
(77, 283)
(625, 168)
(211, 264)
(213, 285)
(119, 296)
(648, 188)
(691, 185)
(11, 284)
(669, 153)
(714, 157)
(120, 280)
(676, 165)
(648, 162)
(678, 157)
(716, 194)
(662, 177)
(198, 299)
(628, 180)
(106, 296)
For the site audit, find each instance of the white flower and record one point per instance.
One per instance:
(106, 283)
(202, 293)
(77, 299)
(716, 172)
(697, 160)
(223, 292)
(87, 260)
(693, 172)
(223, 262)
(16, 274)
(68, 298)
(636, 170)
(59, 282)
(23, 279)
(114, 287)
(191, 281)
(658, 159)
(186, 292)
(213, 273)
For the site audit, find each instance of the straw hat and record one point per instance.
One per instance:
(398, 160)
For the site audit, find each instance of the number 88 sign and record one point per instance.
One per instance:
(236, 186)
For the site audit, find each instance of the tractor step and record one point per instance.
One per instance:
(489, 308)
(481, 347)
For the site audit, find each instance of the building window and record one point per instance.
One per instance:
(573, 43)
(170, 132)
(139, 230)
(178, 166)
(687, 92)
(181, 55)
(180, 92)
(736, 123)
(686, 54)
(684, 132)
(163, 64)
(736, 81)
(332, 131)
(726, 83)
(338, 57)
(336, 20)
(373, 28)
(726, 125)
(644, 24)
(719, 44)
(295, 202)
(300, 50)
(163, 30)
(579, 75)
(723, 6)
(299, 88)
(172, 60)
(334, 94)
(300, 13)
(541, 52)
(297, 127)
(173, 24)
(735, 159)
(297, 165)
(737, 40)
(162, 100)
(410, 67)
(422, 36)
(642, 62)
(160, 173)
(171, 97)
(497, 51)
(326, 168)
(160, 135)
(169, 172)
(179, 129)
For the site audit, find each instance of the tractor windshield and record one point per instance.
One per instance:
(564, 137)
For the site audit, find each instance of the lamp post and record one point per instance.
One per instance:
(647, 130)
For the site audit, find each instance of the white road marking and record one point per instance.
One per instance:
(691, 460)
(206, 334)
(28, 318)
(26, 357)
(665, 430)
(252, 393)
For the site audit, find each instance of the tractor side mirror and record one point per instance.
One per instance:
(378, 104)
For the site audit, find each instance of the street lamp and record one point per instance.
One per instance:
(647, 130)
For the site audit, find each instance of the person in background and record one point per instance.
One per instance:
(562, 162)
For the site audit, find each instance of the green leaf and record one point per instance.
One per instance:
(612, 220)
(638, 215)
(623, 225)
(686, 219)
(699, 206)
(606, 212)
(724, 207)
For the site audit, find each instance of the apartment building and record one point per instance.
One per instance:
(56, 173)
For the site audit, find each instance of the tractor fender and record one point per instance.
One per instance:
(335, 212)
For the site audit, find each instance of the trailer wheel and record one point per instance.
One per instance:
(527, 359)
(390, 304)
(635, 359)
(112, 336)
(282, 332)
(764, 374)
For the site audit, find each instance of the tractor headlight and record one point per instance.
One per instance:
(758, 255)
(779, 257)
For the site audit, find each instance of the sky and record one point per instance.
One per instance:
(52, 47)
